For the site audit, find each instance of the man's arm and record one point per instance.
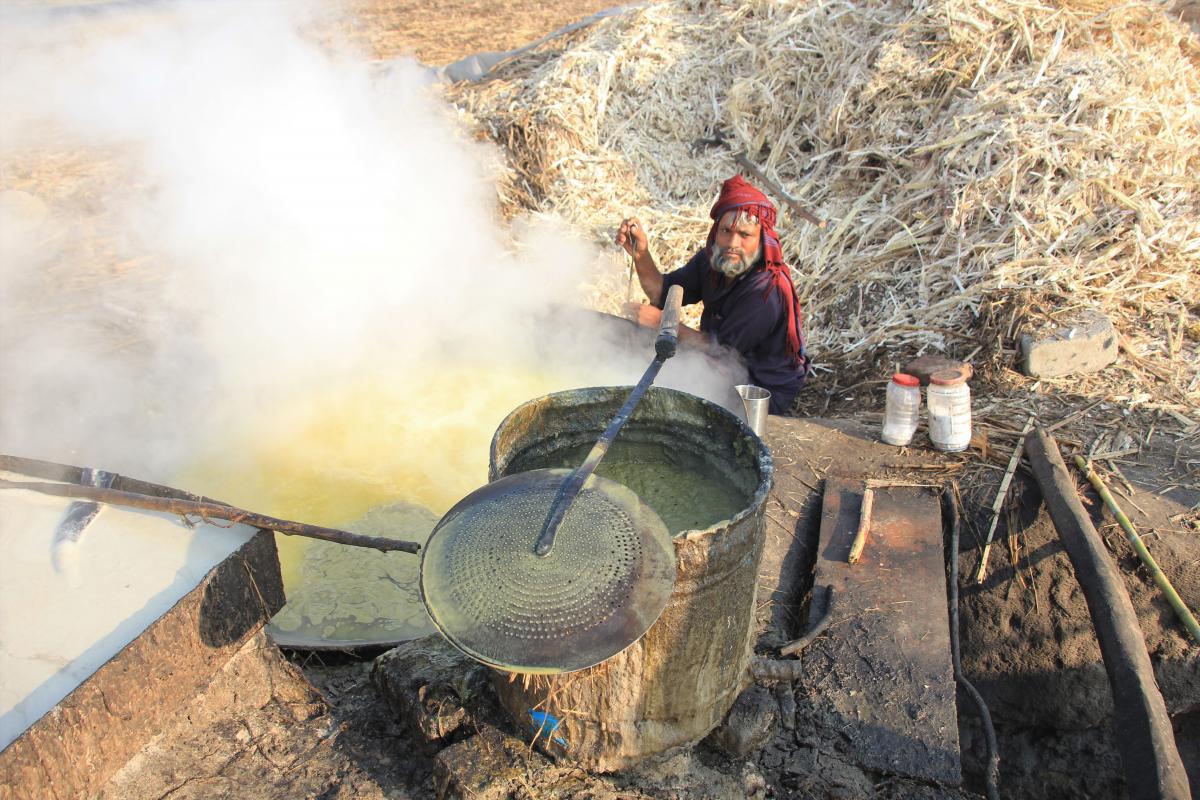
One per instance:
(650, 317)
(632, 236)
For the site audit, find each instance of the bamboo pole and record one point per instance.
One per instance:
(1160, 578)
(206, 509)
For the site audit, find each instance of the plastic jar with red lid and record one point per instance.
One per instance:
(902, 410)
(949, 410)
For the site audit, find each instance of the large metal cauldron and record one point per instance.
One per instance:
(677, 682)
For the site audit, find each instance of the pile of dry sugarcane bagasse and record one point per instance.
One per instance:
(982, 164)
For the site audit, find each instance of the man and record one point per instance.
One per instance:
(749, 301)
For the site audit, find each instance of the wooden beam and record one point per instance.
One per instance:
(1153, 768)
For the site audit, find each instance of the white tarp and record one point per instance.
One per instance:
(58, 626)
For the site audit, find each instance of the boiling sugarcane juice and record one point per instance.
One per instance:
(376, 456)
(384, 455)
(682, 491)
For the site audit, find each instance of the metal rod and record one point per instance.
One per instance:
(664, 348)
(571, 486)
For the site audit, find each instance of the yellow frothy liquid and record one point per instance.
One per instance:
(408, 446)
(685, 496)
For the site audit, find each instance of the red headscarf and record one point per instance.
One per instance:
(736, 193)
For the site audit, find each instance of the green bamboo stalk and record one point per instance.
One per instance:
(1002, 493)
(1164, 583)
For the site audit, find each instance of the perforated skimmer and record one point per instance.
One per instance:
(553, 570)
(604, 584)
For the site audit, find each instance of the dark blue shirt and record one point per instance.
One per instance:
(748, 314)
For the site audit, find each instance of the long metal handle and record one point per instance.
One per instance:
(664, 347)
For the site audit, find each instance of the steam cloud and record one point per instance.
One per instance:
(271, 216)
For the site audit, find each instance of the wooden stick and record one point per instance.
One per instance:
(205, 510)
(813, 632)
(1001, 493)
(792, 202)
(1160, 578)
(884, 483)
(1151, 761)
(864, 525)
(1069, 419)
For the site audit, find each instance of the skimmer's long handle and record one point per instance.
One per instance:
(664, 348)
(668, 328)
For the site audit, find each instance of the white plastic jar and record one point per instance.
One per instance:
(902, 410)
(949, 411)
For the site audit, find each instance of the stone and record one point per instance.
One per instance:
(771, 758)
(750, 724)
(259, 729)
(427, 683)
(486, 766)
(802, 761)
(1085, 343)
(924, 366)
(842, 779)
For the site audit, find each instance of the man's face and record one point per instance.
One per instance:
(737, 244)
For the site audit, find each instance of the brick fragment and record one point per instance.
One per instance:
(750, 724)
(1085, 343)
(488, 766)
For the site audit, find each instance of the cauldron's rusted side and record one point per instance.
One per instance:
(678, 681)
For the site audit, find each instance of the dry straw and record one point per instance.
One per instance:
(976, 160)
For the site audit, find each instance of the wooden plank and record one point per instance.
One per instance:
(1153, 768)
(882, 673)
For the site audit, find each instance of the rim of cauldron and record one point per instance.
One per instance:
(764, 461)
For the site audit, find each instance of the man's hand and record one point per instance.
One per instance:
(650, 317)
(632, 236)
(645, 315)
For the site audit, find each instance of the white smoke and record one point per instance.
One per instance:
(204, 211)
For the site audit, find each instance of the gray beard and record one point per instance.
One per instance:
(731, 266)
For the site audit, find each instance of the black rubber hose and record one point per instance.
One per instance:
(991, 776)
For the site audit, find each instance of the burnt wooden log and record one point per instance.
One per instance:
(206, 509)
(1153, 768)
